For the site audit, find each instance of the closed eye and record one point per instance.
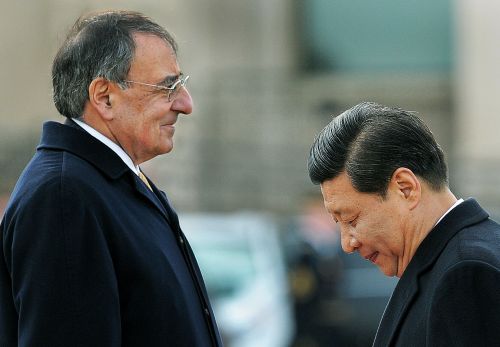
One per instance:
(351, 222)
(172, 82)
(169, 81)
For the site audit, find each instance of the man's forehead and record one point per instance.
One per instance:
(336, 206)
(155, 58)
(337, 186)
(149, 44)
(144, 37)
(339, 195)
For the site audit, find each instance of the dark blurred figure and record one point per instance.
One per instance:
(315, 270)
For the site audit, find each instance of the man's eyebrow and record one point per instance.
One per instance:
(340, 211)
(328, 204)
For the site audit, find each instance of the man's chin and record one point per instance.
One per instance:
(387, 271)
(167, 147)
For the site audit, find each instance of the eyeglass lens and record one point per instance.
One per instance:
(177, 86)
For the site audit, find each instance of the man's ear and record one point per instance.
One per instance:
(407, 185)
(100, 91)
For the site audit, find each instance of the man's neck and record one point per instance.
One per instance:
(431, 208)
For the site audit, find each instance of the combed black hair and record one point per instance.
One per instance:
(369, 142)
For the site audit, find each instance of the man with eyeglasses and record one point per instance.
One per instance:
(92, 253)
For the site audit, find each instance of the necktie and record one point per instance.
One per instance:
(145, 180)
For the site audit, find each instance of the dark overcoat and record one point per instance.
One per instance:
(449, 295)
(91, 257)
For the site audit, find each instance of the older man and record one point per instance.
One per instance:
(92, 253)
(384, 181)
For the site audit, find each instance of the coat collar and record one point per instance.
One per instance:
(467, 213)
(71, 138)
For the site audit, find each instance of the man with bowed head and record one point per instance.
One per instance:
(92, 253)
(384, 181)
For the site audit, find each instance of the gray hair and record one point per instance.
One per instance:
(98, 45)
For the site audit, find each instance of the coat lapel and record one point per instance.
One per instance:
(162, 197)
(70, 137)
(151, 196)
(405, 291)
(467, 213)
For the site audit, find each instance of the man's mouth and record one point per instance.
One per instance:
(169, 126)
(372, 257)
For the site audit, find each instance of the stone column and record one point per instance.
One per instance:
(477, 90)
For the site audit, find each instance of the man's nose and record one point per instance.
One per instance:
(183, 102)
(349, 243)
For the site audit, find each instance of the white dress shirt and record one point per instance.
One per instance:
(113, 146)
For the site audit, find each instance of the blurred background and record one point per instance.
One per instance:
(266, 76)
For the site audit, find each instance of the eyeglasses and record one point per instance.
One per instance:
(171, 91)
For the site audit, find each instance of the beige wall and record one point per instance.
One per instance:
(25, 57)
(246, 143)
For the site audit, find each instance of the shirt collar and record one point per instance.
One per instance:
(458, 202)
(113, 146)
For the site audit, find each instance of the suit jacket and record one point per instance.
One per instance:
(91, 257)
(449, 295)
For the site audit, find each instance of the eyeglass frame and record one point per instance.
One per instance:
(181, 82)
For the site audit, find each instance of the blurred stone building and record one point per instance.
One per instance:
(266, 76)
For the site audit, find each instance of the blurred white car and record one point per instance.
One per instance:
(242, 264)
